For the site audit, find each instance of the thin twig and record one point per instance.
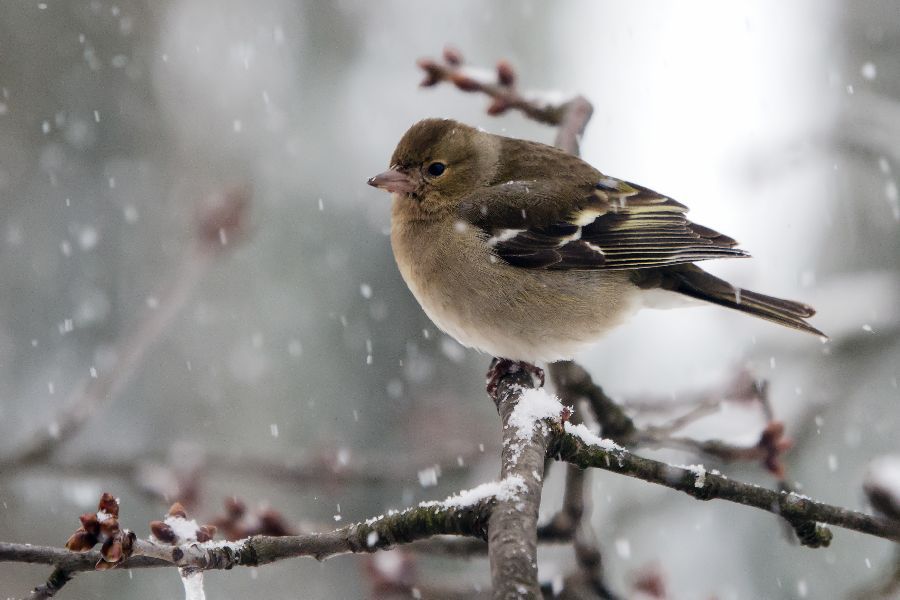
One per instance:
(505, 95)
(58, 578)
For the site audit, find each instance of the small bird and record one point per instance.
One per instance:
(530, 254)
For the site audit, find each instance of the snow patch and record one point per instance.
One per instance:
(479, 74)
(699, 472)
(795, 497)
(590, 438)
(548, 97)
(429, 477)
(103, 516)
(235, 546)
(184, 529)
(534, 407)
(193, 586)
(503, 490)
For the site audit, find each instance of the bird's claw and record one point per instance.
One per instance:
(504, 366)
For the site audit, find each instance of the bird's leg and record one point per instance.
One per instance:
(499, 367)
(502, 366)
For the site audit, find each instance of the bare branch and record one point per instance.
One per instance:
(503, 92)
(58, 578)
(168, 477)
(576, 115)
(705, 485)
(574, 382)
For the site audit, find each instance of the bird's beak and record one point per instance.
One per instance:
(393, 181)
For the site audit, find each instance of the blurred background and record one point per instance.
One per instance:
(293, 341)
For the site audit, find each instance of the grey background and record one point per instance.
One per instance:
(778, 124)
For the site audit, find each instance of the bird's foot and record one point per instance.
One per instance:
(503, 366)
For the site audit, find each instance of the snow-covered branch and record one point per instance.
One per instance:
(464, 514)
(577, 445)
(526, 414)
(472, 513)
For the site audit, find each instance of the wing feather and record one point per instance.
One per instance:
(615, 225)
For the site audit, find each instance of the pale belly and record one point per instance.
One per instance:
(521, 314)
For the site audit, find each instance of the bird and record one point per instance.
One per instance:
(530, 254)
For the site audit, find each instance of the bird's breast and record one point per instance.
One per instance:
(484, 303)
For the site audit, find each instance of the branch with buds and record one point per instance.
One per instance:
(480, 513)
(570, 116)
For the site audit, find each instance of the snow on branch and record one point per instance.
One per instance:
(527, 416)
(583, 450)
(504, 511)
(180, 542)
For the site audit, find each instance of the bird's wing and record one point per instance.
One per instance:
(612, 224)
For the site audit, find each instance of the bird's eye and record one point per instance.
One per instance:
(436, 169)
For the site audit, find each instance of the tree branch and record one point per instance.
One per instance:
(458, 516)
(451, 517)
(575, 382)
(512, 541)
(58, 578)
(581, 450)
(503, 91)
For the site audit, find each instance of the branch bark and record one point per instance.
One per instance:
(380, 533)
(432, 519)
(705, 485)
(58, 578)
(512, 540)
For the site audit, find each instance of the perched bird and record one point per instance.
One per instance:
(529, 253)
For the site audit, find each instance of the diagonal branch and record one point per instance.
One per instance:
(58, 578)
(579, 447)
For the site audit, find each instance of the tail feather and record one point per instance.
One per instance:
(692, 281)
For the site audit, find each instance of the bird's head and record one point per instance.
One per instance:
(437, 162)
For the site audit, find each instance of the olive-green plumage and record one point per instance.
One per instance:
(528, 253)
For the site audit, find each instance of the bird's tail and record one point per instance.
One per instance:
(693, 281)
